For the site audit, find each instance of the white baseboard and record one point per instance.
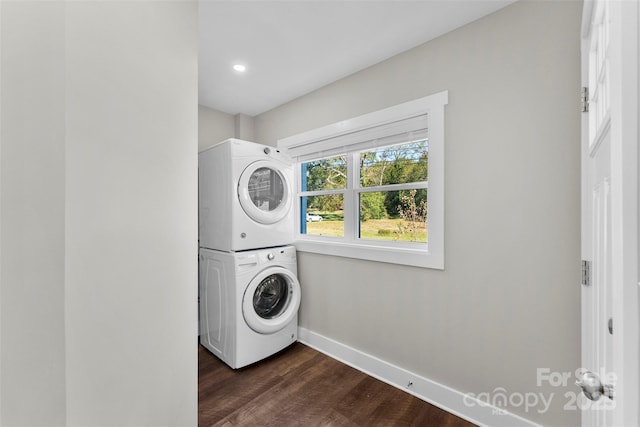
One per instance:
(453, 401)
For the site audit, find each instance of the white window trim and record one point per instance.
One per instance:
(416, 254)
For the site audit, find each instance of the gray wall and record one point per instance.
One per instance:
(215, 126)
(98, 218)
(32, 214)
(508, 301)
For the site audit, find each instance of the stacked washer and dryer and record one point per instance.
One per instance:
(249, 290)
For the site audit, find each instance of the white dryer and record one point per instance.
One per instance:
(248, 303)
(246, 196)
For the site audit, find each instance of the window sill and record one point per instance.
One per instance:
(371, 252)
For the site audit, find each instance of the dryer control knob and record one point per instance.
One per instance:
(270, 256)
(267, 150)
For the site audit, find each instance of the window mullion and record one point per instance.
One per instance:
(355, 180)
(351, 199)
(396, 187)
(321, 192)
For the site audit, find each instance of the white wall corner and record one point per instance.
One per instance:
(244, 127)
(463, 405)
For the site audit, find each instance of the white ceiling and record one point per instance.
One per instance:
(291, 48)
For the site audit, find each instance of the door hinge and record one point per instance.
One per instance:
(584, 99)
(586, 273)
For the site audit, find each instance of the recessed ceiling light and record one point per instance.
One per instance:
(240, 68)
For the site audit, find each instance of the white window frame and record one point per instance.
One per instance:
(313, 144)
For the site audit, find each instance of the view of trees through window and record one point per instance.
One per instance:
(391, 195)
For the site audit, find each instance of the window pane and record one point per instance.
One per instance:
(325, 174)
(322, 215)
(394, 215)
(397, 164)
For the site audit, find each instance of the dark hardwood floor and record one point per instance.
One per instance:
(303, 387)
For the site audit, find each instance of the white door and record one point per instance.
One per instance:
(264, 192)
(610, 296)
(271, 300)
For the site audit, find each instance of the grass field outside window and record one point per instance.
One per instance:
(391, 229)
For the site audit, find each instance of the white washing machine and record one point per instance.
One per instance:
(248, 303)
(246, 196)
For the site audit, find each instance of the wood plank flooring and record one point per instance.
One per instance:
(303, 387)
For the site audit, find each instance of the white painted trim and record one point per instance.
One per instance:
(388, 115)
(371, 251)
(446, 398)
(313, 142)
(1, 6)
(624, 208)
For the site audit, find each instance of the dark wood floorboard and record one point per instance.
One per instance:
(303, 387)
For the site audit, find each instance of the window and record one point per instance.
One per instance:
(372, 187)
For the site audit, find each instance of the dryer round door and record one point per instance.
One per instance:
(271, 300)
(264, 192)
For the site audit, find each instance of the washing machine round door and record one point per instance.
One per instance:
(271, 300)
(264, 192)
